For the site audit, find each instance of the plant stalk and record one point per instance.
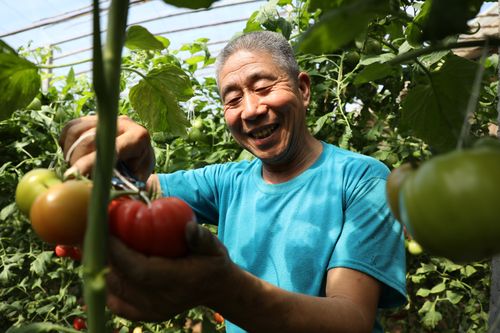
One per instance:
(106, 81)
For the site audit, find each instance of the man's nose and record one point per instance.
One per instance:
(252, 107)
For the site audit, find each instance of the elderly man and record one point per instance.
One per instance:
(306, 242)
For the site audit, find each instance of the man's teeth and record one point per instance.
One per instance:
(263, 133)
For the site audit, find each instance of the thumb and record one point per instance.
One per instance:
(201, 241)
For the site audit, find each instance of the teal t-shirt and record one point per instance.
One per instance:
(290, 234)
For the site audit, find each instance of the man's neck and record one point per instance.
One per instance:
(280, 173)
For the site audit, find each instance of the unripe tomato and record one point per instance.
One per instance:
(156, 230)
(414, 248)
(31, 185)
(450, 204)
(59, 215)
(393, 186)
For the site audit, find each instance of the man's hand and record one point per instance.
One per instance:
(133, 145)
(156, 289)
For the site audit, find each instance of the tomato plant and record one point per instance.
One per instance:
(59, 215)
(31, 185)
(157, 229)
(450, 204)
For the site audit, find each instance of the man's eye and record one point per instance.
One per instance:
(262, 89)
(233, 100)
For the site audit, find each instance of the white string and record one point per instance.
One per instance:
(71, 149)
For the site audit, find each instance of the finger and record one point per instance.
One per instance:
(82, 166)
(74, 129)
(134, 266)
(201, 241)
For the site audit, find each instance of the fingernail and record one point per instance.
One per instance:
(71, 172)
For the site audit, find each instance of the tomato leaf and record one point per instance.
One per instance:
(340, 25)
(39, 328)
(449, 17)
(139, 38)
(156, 99)
(6, 48)
(192, 4)
(440, 103)
(19, 83)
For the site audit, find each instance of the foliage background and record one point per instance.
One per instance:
(358, 104)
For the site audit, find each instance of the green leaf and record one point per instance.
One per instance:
(432, 318)
(423, 292)
(156, 98)
(192, 4)
(40, 328)
(164, 40)
(438, 288)
(6, 48)
(39, 265)
(19, 83)
(435, 111)
(453, 297)
(373, 72)
(468, 270)
(340, 25)
(139, 38)
(449, 17)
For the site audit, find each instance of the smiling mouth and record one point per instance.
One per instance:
(264, 132)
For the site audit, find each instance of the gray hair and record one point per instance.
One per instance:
(263, 41)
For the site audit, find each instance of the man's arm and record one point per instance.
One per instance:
(155, 289)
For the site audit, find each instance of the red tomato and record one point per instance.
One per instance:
(156, 230)
(79, 324)
(59, 215)
(62, 251)
(218, 318)
(75, 253)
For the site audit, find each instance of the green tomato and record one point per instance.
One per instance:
(198, 123)
(394, 183)
(414, 248)
(31, 185)
(450, 204)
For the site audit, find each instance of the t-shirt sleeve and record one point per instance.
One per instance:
(372, 241)
(197, 187)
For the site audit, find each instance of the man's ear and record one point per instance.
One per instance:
(305, 88)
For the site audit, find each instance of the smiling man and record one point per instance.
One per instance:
(306, 242)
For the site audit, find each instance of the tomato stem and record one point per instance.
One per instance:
(106, 81)
(473, 99)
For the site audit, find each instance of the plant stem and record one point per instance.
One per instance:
(474, 97)
(411, 55)
(106, 77)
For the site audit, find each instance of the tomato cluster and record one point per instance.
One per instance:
(58, 214)
(449, 203)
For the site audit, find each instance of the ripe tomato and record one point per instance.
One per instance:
(156, 230)
(31, 185)
(79, 324)
(218, 318)
(62, 251)
(450, 204)
(393, 186)
(59, 215)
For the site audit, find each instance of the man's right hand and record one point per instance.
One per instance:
(133, 146)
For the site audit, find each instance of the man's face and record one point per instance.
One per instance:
(263, 107)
